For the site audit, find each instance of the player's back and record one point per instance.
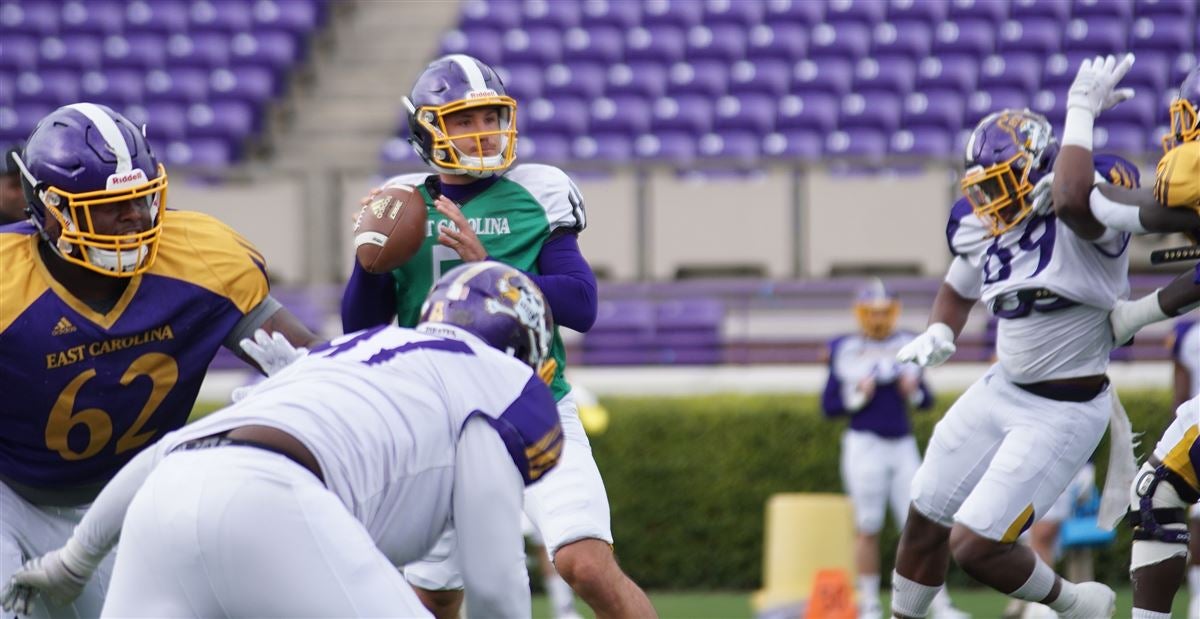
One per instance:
(381, 410)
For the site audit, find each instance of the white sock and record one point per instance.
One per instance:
(1039, 584)
(1066, 597)
(561, 597)
(1194, 580)
(868, 590)
(911, 598)
(1140, 613)
(941, 601)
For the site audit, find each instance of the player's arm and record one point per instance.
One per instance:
(1178, 297)
(951, 309)
(272, 317)
(487, 502)
(833, 399)
(567, 281)
(369, 300)
(1137, 210)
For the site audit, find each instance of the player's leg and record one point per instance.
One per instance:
(1046, 444)
(562, 599)
(962, 446)
(437, 578)
(866, 475)
(570, 508)
(1193, 572)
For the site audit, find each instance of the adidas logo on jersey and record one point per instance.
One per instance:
(63, 327)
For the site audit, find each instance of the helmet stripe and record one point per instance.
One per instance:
(474, 75)
(110, 132)
(456, 288)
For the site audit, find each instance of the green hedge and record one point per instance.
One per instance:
(688, 479)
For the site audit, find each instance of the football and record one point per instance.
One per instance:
(390, 229)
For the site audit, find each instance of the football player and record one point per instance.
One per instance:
(1009, 447)
(12, 200)
(879, 453)
(112, 309)
(345, 463)
(464, 127)
(1184, 343)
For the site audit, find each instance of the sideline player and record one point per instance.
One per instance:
(879, 453)
(1184, 343)
(112, 308)
(463, 125)
(345, 463)
(1011, 444)
(12, 200)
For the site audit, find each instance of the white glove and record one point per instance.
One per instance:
(272, 352)
(59, 575)
(1095, 86)
(931, 348)
(1127, 317)
(1040, 196)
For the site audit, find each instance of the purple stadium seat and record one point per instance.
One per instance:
(676, 147)
(551, 14)
(628, 115)
(990, 10)
(1175, 8)
(272, 48)
(941, 109)
(895, 74)
(204, 49)
(744, 13)
(1022, 9)
(8, 88)
(52, 86)
(725, 42)
(227, 15)
(295, 16)
(985, 102)
(613, 147)
(164, 120)
(681, 13)
(184, 84)
(1096, 36)
(859, 142)
(39, 19)
(850, 39)
(113, 87)
(563, 115)
(397, 150)
(77, 51)
(616, 13)
(161, 16)
(18, 52)
(929, 11)
(1184, 63)
(908, 38)
(21, 118)
(706, 77)
(1167, 34)
(818, 111)
(832, 75)
(1121, 9)
(803, 12)
(1060, 69)
(95, 16)
(141, 50)
(231, 119)
(660, 43)
(954, 72)
(1141, 110)
(603, 44)
(966, 36)
(585, 79)
(921, 141)
(537, 45)
(877, 110)
(751, 112)
(198, 153)
(796, 143)
(522, 79)
(1052, 104)
(869, 12)
(1034, 35)
(498, 14)
(645, 78)
(1121, 138)
(784, 41)
(690, 314)
(689, 113)
(1150, 73)
(765, 75)
(249, 83)
(545, 147)
(482, 43)
(1018, 69)
(740, 147)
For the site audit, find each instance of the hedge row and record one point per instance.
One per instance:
(688, 479)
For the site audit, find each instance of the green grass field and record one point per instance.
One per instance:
(980, 603)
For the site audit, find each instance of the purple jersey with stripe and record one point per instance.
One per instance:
(85, 390)
(855, 357)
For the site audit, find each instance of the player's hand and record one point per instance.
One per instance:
(1095, 86)
(47, 575)
(271, 351)
(931, 348)
(463, 240)
(364, 202)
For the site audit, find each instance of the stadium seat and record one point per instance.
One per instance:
(679, 14)
(1017, 69)
(783, 41)
(610, 147)
(1096, 36)
(1120, 9)
(29, 18)
(931, 12)
(1185, 9)
(794, 144)
(752, 113)
(956, 72)
(921, 141)
(539, 45)
(830, 75)
(878, 110)
(1036, 35)
(499, 14)
(688, 113)
(844, 39)
(99, 17)
(818, 112)
(1022, 9)
(645, 78)
(907, 38)
(803, 12)
(723, 42)
(139, 50)
(939, 109)
(600, 44)
(895, 74)
(551, 14)
(967, 36)
(629, 115)
(664, 43)
(766, 75)
(585, 79)
(620, 15)
(744, 14)
(705, 77)
(483, 43)
(162, 16)
(868, 12)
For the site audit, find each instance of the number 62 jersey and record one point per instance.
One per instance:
(1041, 278)
(84, 390)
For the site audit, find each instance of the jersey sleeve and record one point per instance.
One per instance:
(214, 256)
(557, 194)
(965, 233)
(1118, 171)
(831, 399)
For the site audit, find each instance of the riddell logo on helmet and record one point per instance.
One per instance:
(129, 179)
(480, 94)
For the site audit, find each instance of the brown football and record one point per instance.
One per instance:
(390, 229)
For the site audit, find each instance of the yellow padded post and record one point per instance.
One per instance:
(805, 533)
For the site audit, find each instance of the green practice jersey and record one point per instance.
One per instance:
(513, 219)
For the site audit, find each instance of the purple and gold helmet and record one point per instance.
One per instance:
(85, 155)
(452, 84)
(1007, 154)
(1185, 113)
(876, 309)
(498, 304)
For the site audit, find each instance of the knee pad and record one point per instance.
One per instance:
(1158, 510)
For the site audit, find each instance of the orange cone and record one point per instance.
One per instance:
(832, 596)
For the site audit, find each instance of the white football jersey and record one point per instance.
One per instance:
(859, 357)
(381, 410)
